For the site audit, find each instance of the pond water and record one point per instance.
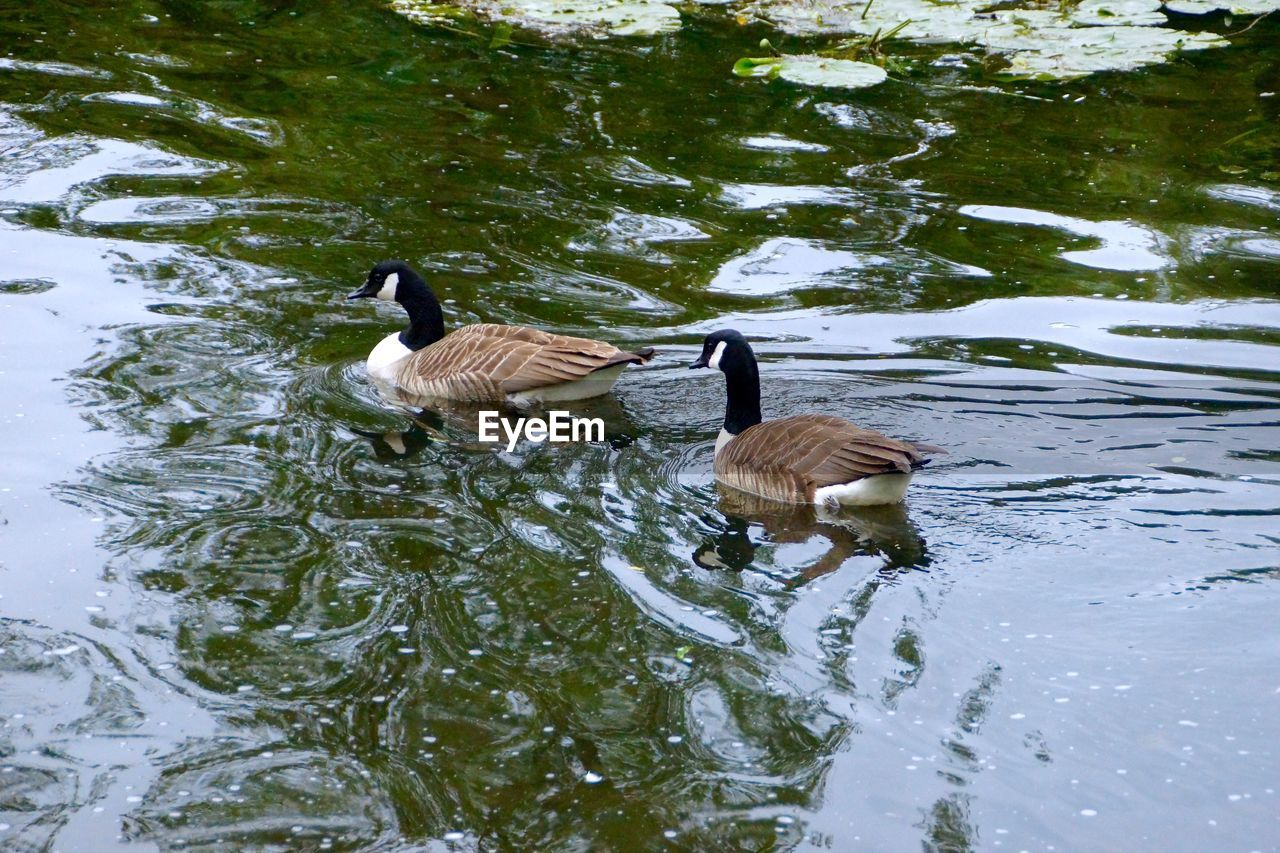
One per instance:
(246, 602)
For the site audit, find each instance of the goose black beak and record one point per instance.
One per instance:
(362, 293)
(701, 362)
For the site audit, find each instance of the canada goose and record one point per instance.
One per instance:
(484, 361)
(816, 459)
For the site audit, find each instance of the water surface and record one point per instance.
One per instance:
(246, 602)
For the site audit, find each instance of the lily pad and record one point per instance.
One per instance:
(1116, 13)
(1058, 42)
(555, 17)
(1063, 53)
(810, 70)
(1234, 7)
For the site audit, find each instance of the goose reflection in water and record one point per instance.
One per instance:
(457, 424)
(874, 531)
(394, 444)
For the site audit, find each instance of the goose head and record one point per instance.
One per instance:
(728, 351)
(392, 281)
(396, 281)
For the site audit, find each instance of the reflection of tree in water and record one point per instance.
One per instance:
(948, 828)
(884, 531)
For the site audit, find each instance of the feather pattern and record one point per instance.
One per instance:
(488, 361)
(789, 459)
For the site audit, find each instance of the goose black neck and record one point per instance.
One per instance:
(426, 321)
(742, 377)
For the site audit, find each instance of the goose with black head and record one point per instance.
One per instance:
(801, 459)
(483, 361)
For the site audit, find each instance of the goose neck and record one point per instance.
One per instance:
(426, 320)
(743, 409)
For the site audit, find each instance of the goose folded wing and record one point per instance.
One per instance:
(857, 453)
(514, 358)
(496, 331)
(556, 364)
(820, 449)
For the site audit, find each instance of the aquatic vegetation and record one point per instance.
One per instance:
(1028, 38)
(1036, 41)
(554, 17)
(811, 70)
(1234, 7)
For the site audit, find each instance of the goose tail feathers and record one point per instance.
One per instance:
(640, 356)
(929, 450)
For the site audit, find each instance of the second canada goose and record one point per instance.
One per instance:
(483, 361)
(815, 459)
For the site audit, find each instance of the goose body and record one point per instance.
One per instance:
(484, 361)
(801, 459)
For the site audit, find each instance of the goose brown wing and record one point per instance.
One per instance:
(613, 354)
(497, 330)
(512, 358)
(814, 451)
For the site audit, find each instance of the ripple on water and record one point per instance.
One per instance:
(285, 795)
(63, 701)
(44, 170)
(785, 264)
(56, 69)
(263, 131)
(630, 170)
(1203, 243)
(1126, 246)
(1251, 196)
(636, 235)
(262, 550)
(758, 196)
(1087, 325)
(782, 144)
(272, 221)
(161, 491)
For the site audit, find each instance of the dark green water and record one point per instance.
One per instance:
(229, 618)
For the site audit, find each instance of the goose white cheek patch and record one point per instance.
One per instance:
(388, 291)
(714, 361)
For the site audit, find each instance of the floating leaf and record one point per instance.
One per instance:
(810, 70)
(1040, 40)
(1234, 7)
(1059, 42)
(839, 73)
(1115, 13)
(763, 66)
(1062, 53)
(553, 17)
